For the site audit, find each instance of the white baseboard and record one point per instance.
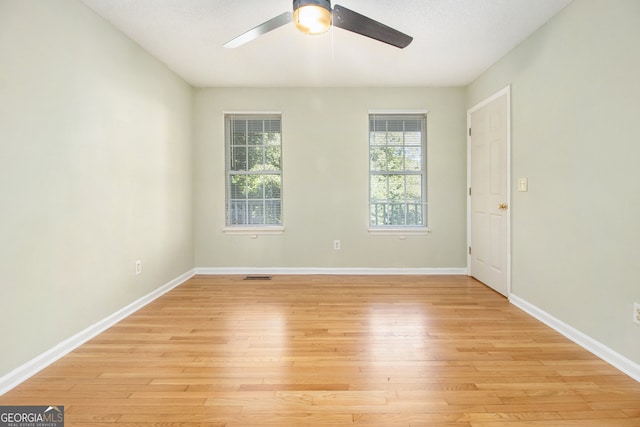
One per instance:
(333, 271)
(35, 365)
(615, 359)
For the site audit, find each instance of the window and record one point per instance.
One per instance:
(397, 171)
(253, 170)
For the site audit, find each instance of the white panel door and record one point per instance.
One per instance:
(489, 182)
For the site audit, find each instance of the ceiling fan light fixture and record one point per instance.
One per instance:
(312, 16)
(317, 16)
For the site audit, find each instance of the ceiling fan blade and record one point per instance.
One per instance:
(360, 24)
(255, 32)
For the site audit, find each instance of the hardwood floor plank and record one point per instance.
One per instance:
(508, 417)
(333, 351)
(561, 423)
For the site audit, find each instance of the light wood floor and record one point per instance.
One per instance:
(333, 351)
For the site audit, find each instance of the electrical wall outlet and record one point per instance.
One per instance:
(138, 267)
(336, 245)
(636, 313)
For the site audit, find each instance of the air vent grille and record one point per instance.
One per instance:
(257, 277)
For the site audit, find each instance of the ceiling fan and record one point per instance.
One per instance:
(316, 16)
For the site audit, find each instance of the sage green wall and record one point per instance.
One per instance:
(576, 126)
(95, 155)
(325, 179)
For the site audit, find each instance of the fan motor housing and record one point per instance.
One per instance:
(322, 3)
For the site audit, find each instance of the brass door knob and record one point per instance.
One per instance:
(502, 206)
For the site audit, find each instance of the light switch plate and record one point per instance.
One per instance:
(523, 184)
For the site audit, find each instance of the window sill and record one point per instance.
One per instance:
(253, 231)
(399, 231)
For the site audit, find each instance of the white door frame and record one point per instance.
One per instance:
(506, 91)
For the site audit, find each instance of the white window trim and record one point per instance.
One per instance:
(398, 230)
(425, 112)
(253, 230)
(250, 112)
(244, 229)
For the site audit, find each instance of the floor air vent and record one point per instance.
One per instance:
(257, 277)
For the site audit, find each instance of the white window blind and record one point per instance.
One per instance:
(253, 170)
(397, 171)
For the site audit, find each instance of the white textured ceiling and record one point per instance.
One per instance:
(454, 40)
